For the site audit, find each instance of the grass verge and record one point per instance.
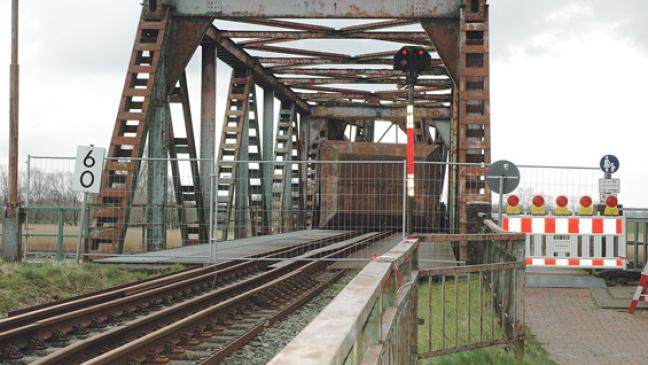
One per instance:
(27, 284)
(456, 326)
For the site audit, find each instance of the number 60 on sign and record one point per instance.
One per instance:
(88, 169)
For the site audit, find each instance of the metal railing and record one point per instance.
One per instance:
(636, 238)
(475, 306)
(390, 313)
(371, 320)
(62, 219)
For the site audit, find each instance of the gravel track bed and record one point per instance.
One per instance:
(265, 346)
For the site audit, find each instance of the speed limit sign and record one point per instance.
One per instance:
(88, 169)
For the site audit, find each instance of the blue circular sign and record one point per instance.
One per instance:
(609, 164)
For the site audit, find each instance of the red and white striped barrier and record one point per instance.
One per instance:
(564, 225)
(590, 263)
(571, 242)
(640, 292)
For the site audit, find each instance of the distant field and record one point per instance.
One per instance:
(48, 244)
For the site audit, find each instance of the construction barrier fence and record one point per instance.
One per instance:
(247, 200)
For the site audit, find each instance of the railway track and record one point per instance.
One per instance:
(194, 316)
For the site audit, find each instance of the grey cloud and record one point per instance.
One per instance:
(514, 22)
(79, 36)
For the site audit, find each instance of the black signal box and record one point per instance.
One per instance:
(412, 58)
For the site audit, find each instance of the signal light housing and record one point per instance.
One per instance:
(611, 205)
(585, 206)
(561, 206)
(411, 58)
(537, 205)
(513, 205)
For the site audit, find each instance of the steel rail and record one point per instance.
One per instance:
(30, 329)
(225, 299)
(32, 314)
(41, 312)
(237, 344)
(87, 296)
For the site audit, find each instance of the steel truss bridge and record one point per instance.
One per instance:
(280, 47)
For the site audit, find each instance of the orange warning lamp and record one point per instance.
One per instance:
(585, 206)
(513, 205)
(537, 205)
(611, 205)
(561, 206)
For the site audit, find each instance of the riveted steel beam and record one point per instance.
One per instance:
(208, 119)
(369, 112)
(294, 35)
(299, 82)
(318, 8)
(285, 24)
(323, 96)
(299, 52)
(345, 72)
(318, 61)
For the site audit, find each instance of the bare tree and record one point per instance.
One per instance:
(4, 184)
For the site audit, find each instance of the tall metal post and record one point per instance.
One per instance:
(411, 80)
(11, 222)
(157, 178)
(25, 247)
(82, 226)
(207, 117)
(242, 182)
(212, 229)
(304, 141)
(268, 155)
(501, 200)
(60, 235)
(13, 114)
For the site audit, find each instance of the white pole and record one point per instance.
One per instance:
(82, 226)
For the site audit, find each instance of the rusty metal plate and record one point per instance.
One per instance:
(368, 194)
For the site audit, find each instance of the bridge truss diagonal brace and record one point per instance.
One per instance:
(444, 34)
(265, 78)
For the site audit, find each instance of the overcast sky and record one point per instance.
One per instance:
(568, 80)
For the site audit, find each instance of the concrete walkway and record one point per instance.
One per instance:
(574, 330)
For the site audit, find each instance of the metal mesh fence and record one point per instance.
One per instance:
(133, 215)
(303, 204)
(553, 181)
(359, 196)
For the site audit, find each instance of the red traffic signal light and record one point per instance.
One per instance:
(411, 58)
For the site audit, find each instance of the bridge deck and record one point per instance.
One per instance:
(199, 254)
(431, 254)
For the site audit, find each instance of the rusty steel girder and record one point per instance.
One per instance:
(408, 9)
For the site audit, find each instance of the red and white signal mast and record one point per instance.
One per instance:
(412, 60)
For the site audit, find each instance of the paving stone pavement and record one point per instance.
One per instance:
(574, 330)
